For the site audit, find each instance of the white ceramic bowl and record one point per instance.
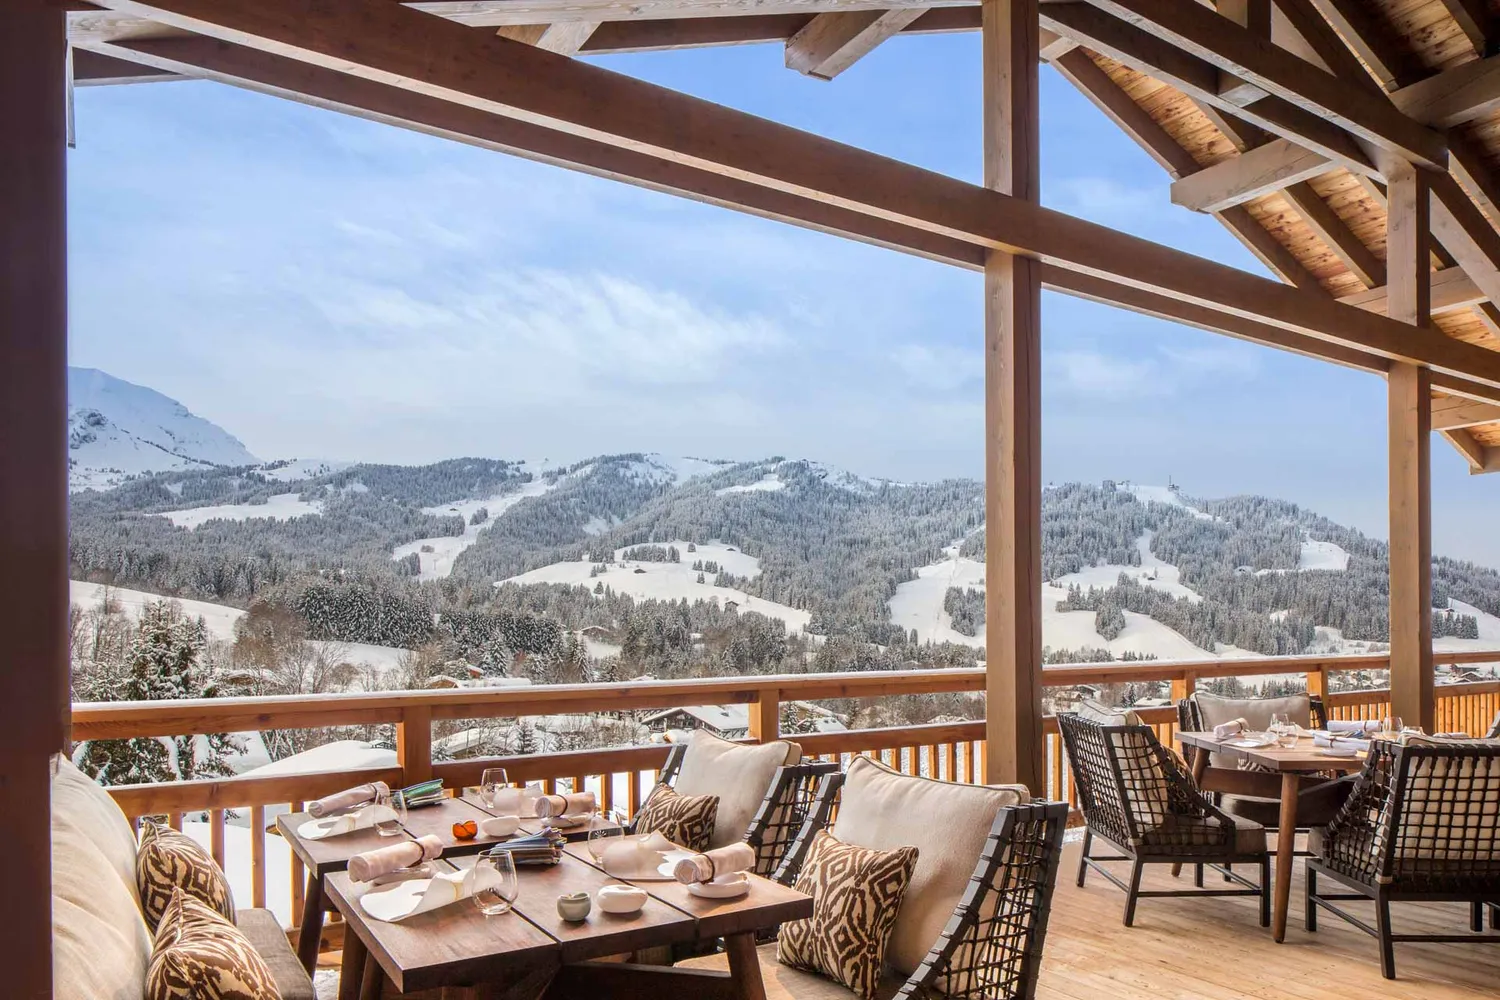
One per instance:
(499, 826)
(620, 899)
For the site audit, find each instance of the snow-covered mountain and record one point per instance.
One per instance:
(117, 429)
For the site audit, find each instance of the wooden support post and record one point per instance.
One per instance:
(1012, 375)
(414, 744)
(33, 472)
(765, 716)
(1408, 249)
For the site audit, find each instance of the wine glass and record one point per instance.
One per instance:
(490, 783)
(495, 884)
(605, 828)
(1284, 731)
(390, 812)
(1391, 726)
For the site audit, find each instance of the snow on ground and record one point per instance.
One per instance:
(1165, 495)
(1322, 555)
(237, 859)
(281, 507)
(679, 469)
(219, 618)
(918, 604)
(769, 483)
(1152, 572)
(303, 468)
(671, 581)
(340, 755)
(599, 525)
(438, 563)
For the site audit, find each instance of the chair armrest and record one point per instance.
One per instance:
(992, 945)
(789, 799)
(818, 816)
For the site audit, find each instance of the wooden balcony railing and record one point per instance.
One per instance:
(622, 776)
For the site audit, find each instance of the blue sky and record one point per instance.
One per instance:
(327, 287)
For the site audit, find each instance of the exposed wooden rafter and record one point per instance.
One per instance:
(1359, 25)
(1450, 413)
(1323, 39)
(1481, 458)
(1452, 289)
(831, 43)
(90, 69)
(563, 37)
(1335, 234)
(1455, 96)
(1243, 178)
(499, 12)
(1475, 20)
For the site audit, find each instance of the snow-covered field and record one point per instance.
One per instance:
(220, 619)
(1322, 555)
(281, 507)
(918, 604)
(1165, 495)
(438, 563)
(1152, 572)
(671, 581)
(769, 483)
(303, 468)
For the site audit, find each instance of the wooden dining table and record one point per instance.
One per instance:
(1283, 773)
(531, 952)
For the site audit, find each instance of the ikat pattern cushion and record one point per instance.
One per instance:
(168, 860)
(856, 893)
(685, 820)
(198, 955)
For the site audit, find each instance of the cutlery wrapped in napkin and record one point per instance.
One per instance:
(1340, 741)
(405, 899)
(545, 848)
(566, 805)
(1347, 726)
(1233, 727)
(349, 798)
(337, 825)
(711, 864)
(382, 861)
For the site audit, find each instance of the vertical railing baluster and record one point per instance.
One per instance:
(258, 857)
(216, 836)
(298, 877)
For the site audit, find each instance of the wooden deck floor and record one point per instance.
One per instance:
(1215, 949)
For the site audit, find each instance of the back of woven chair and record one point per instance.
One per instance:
(788, 803)
(1422, 818)
(1494, 732)
(991, 949)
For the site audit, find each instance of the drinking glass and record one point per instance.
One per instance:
(390, 814)
(1391, 726)
(605, 828)
(1284, 730)
(490, 783)
(495, 882)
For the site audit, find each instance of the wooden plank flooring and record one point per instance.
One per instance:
(1215, 949)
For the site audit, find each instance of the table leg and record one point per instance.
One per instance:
(1286, 854)
(1200, 766)
(311, 933)
(371, 980)
(352, 970)
(744, 966)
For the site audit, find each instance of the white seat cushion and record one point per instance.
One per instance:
(93, 811)
(740, 774)
(947, 823)
(1216, 710)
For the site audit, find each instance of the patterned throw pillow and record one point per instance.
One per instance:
(856, 892)
(169, 860)
(685, 820)
(199, 955)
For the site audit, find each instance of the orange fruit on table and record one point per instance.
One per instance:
(466, 830)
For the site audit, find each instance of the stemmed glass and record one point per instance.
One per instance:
(490, 783)
(495, 882)
(1391, 726)
(1284, 730)
(605, 828)
(390, 812)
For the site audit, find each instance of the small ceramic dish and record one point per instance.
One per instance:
(730, 886)
(574, 906)
(620, 899)
(499, 826)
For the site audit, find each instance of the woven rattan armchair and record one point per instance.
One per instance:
(781, 815)
(991, 948)
(1494, 733)
(1136, 797)
(1423, 824)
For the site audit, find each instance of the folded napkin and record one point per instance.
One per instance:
(406, 899)
(384, 860)
(570, 822)
(423, 793)
(545, 848)
(1334, 739)
(720, 861)
(1233, 727)
(1353, 726)
(566, 805)
(333, 826)
(349, 798)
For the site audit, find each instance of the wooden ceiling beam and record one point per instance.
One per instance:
(1455, 413)
(1481, 459)
(1255, 17)
(831, 43)
(90, 69)
(1465, 232)
(1227, 46)
(1455, 96)
(1475, 20)
(430, 56)
(564, 37)
(1197, 78)
(1243, 178)
(1360, 26)
(1324, 40)
(1335, 234)
(1452, 290)
(494, 13)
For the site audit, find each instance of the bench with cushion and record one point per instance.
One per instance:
(101, 945)
(973, 916)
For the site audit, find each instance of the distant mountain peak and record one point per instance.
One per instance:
(117, 429)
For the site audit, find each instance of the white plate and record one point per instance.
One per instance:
(1343, 753)
(731, 887)
(1251, 741)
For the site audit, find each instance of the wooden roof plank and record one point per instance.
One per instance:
(1226, 45)
(1360, 26)
(831, 43)
(1475, 20)
(438, 58)
(1336, 235)
(1455, 412)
